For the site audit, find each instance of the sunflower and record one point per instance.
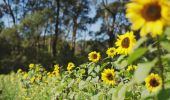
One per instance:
(153, 82)
(108, 76)
(70, 66)
(131, 68)
(149, 15)
(56, 67)
(94, 56)
(125, 43)
(111, 52)
(31, 66)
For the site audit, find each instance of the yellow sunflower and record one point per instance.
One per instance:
(108, 76)
(31, 66)
(70, 66)
(94, 56)
(131, 68)
(111, 52)
(56, 67)
(153, 82)
(125, 43)
(149, 15)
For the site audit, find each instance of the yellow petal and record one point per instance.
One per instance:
(138, 24)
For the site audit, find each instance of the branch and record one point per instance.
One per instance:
(10, 11)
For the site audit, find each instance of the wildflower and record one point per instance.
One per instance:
(153, 82)
(108, 76)
(149, 15)
(70, 66)
(31, 66)
(125, 43)
(94, 56)
(111, 52)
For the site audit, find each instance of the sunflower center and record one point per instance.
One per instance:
(151, 12)
(125, 42)
(94, 56)
(111, 51)
(109, 76)
(154, 82)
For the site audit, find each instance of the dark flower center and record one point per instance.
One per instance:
(125, 42)
(94, 56)
(109, 76)
(111, 51)
(154, 82)
(151, 12)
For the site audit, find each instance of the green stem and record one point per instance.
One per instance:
(160, 61)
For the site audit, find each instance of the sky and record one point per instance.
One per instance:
(93, 27)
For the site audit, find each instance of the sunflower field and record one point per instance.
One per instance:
(134, 68)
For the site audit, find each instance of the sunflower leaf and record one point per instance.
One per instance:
(136, 54)
(143, 70)
(166, 46)
(164, 94)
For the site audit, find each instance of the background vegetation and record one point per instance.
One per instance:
(56, 31)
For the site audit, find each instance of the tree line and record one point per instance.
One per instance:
(48, 31)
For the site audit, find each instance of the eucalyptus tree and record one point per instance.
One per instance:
(75, 14)
(108, 13)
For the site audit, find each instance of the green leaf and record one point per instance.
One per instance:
(143, 70)
(116, 92)
(167, 31)
(164, 94)
(97, 69)
(90, 69)
(139, 42)
(82, 84)
(166, 46)
(136, 55)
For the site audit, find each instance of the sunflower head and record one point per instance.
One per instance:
(108, 76)
(153, 82)
(70, 66)
(31, 66)
(125, 43)
(149, 15)
(94, 56)
(131, 68)
(111, 52)
(55, 73)
(56, 67)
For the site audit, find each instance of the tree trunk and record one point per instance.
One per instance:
(55, 38)
(111, 32)
(111, 38)
(73, 44)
